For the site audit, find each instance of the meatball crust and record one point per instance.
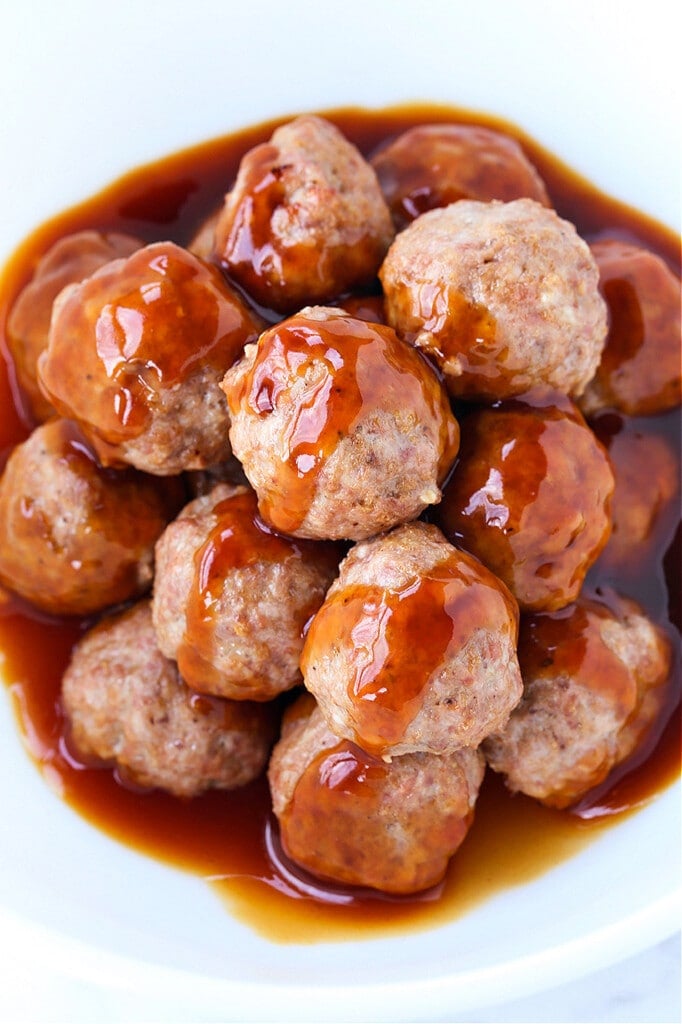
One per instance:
(646, 499)
(639, 372)
(69, 260)
(433, 165)
(342, 429)
(305, 220)
(232, 599)
(77, 538)
(351, 818)
(504, 296)
(414, 648)
(594, 682)
(531, 497)
(136, 353)
(126, 704)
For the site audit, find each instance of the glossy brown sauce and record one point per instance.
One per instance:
(513, 839)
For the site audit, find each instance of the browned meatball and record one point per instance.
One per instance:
(306, 219)
(136, 353)
(351, 818)
(232, 598)
(639, 372)
(76, 537)
(504, 296)
(594, 680)
(126, 704)
(646, 500)
(434, 165)
(69, 260)
(414, 647)
(530, 496)
(342, 429)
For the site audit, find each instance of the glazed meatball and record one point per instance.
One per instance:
(77, 538)
(646, 499)
(348, 817)
(531, 496)
(342, 429)
(414, 647)
(232, 598)
(136, 353)
(594, 680)
(504, 296)
(306, 219)
(639, 372)
(434, 165)
(126, 704)
(69, 260)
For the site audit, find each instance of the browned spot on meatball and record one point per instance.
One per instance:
(503, 295)
(232, 599)
(351, 818)
(433, 165)
(530, 496)
(127, 705)
(639, 372)
(305, 221)
(414, 647)
(135, 355)
(77, 537)
(594, 682)
(69, 260)
(342, 429)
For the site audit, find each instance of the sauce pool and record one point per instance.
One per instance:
(230, 839)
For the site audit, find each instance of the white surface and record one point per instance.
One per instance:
(86, 92)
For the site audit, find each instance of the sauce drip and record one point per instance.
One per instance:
(171, 199)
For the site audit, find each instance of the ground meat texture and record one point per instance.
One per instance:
(646, 500)
(232, 599)
(504, 296)
(639, 372)
(434, 165)
(77, 538)
(305, 220)
(69, 260)
(136, 353)
(594, 682)
(350, 818)
(414, 648)
(531, 497)
(342, 429)
(127, 705)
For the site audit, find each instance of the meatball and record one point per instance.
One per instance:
(136, 353)
(342, 429)
(504, 296)
(639, 372)
(232, 598)
(126, 704)
(306, 219)
(530, 496)
(434, 165)
(414, 648)
(594, 680)
(348, 817)
(76, 537)
(646, 499)
(71, 259)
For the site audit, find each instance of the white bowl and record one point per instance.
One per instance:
(89, 92)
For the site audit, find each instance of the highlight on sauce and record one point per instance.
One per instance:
(232, 838)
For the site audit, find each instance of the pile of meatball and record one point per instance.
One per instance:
(323, 483)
